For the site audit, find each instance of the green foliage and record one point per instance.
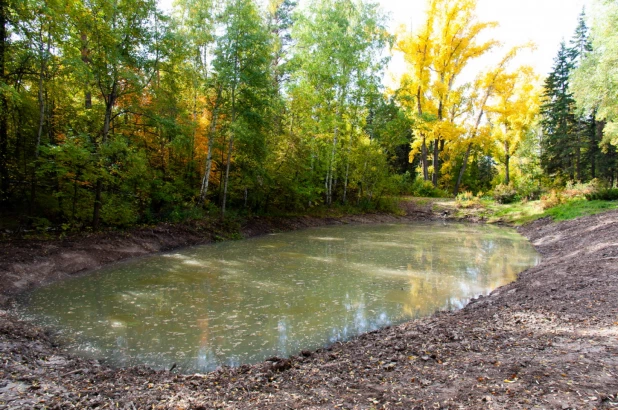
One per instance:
(595, 81)
(603, 195)
(505, 194)
(114, 114)
(574, 146)
(426, 189)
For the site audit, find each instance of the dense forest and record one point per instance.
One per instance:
(114, 113)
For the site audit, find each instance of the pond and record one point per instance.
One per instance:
(240, 302)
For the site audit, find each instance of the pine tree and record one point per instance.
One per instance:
(584, 136)
(589, 131)
(558, 115)
(571, 136)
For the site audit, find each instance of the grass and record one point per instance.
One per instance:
(521, 213)
(518, 213)
(579, 207)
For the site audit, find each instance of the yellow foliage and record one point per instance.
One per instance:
(436, 55)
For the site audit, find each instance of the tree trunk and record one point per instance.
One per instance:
(329, 194)
(4, 107)
(507, 160)
(578, 168)
(86, 60)
(39, 134)
(211, 138)
(41, 111)
(462, 171)
(424, 160)
(436, 161)
(109, 106)
(424, 152)
(331, 164)
(593, 147)
(227, 173)
(347, 173)
(229, 152)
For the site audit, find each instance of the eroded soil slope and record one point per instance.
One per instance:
(549, 340)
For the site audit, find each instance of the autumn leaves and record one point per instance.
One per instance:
(454, 119)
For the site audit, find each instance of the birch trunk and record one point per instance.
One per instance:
(329, 182)
(507, 160)
(211, 138)
(462, 171)
(347, 173)
(229, 152)
(109, 106)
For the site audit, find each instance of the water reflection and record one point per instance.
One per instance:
(241, 302)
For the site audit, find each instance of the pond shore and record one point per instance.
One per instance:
(548, 340)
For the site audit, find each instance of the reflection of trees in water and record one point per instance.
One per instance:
(476, 264)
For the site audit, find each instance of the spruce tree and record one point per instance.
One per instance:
(570, 141)
(558, 117)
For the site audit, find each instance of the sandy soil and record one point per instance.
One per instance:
(548, 340)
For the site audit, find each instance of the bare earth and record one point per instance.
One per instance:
(549, 340)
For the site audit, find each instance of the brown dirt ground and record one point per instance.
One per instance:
(548, 340)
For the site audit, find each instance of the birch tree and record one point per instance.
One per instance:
(436, 55)
(241, 68)
(339, 44)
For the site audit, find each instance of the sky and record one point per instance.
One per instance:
(544, 22)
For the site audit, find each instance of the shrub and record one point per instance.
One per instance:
(426, 189)
(574, 190)
(505, 194)
(554, 198)
(603, 195)
(467, 200)
(529, 190)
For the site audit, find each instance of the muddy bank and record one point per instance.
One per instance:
(549, 340)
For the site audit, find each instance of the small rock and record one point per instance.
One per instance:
(390, 366)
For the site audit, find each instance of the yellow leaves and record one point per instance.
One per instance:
(436, 54)
(447, 130)
(515, 107)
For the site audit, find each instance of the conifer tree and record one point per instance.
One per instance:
(558, 121)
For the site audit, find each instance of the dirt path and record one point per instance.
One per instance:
(549, 340)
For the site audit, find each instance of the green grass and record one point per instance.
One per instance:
(520, 213)
(579, 207)
(517, 213)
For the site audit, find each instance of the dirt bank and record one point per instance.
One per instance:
(549, 340)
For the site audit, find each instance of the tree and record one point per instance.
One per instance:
(241, 68)
(513, 114)
(4, 106)
(120, 58)
(487, 86)
(437, 55)
(558, 113)
(339, 43)
(595, 82)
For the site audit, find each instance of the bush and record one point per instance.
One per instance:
(467, 200)
(529, 190)
(426, 189)
(552, 200)
(505, 194)
(603, 195)
(574, 190)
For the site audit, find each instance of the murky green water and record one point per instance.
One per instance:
(241, 302)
